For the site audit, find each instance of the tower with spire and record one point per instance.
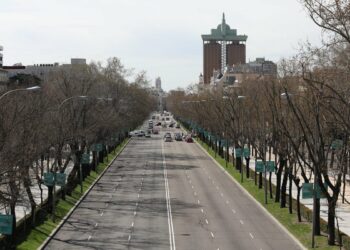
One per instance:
(222, 47)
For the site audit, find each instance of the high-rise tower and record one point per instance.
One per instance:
(221, 48)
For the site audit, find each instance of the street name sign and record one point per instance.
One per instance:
(259, 167)
(307, 190)
(238, 152)
(246, 152)
(85, 159)
(49, 179)
(61, 179)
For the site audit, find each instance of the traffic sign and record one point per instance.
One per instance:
(61, 179)
(246, 152)
(238, 152)
(259, 167)
(337, 144)
(270, 166)
(6, 224)
(307, 191)
(49, 179)
(319, 193)
(85, 159)
(99, 147)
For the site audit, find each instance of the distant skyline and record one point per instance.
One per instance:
(160, 37)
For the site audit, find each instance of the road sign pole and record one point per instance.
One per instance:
(242, 164)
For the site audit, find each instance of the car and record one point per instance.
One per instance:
(189, 139)
(168, 138)
(148, 134)
(178, 137)
(167, 134)
(141, 133)
(159, 124)
(177, 125)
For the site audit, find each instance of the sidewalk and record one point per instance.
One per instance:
(342, 210)
(23, 205)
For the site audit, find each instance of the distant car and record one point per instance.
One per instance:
(189, 139)
(171, 125)
(141, 133)
(168, 138)
(178, 137)
(159, 124)
(177, 125)
(167, 134)
(148, 134)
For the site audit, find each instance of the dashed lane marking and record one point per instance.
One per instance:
(241, 222)
(251, 236)
(206, 221)
(89, 237)
(212, 235)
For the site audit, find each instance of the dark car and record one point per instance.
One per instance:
(177, 125)
(178, 137)
(189, 139)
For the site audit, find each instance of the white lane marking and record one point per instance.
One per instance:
(222, 194)
(106, 204)
(212, 235)
(134, 213)
(168, 204)
(198, 202)
(129, 237)
(89, 237)
(206, 221)
(233, 211)
(251, 236)
(241, 222)
(132, 224)
(137, 203)
(227, 202)
(101, 214)
(138, 195)
(192, 187)
(217, 187)
(202, 210)
(96, 224)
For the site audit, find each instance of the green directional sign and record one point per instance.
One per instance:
(6, 224)
(337, 144)
(61, 179)
(319, 193)
(238, 152)
(270, 166)
(246, 152)
(205, 133)
(85, 159)
(49, 179)
(259, 167)
(99, 147)
(307, 190)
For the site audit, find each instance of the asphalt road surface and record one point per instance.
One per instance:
(168, 195)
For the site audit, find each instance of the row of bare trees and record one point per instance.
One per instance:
(46, 129)
(302, 116)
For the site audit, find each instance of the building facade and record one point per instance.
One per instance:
(158, 83)
(222, 47)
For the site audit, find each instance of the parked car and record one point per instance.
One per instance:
(148, 134)
(178, 137)
(167, 134)
(141, 133)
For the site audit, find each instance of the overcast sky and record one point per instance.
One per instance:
(162, 37)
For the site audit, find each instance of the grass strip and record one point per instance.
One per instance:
(39, 234)
(302, 231)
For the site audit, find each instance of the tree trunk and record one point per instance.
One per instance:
(298, 204)
(284, 188)
(278, 179)
(290, 189)
(260, 181)
(270, 185)
(318, 222)
(247, 167)
(331, 221)
(50, 199)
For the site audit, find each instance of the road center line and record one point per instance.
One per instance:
(251, 236)
(241, 222)
(168, 204)
(212, 235)
(89, 237)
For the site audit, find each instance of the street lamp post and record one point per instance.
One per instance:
(18, 90)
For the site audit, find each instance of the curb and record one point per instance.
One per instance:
(253, 199)
(54, 232)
